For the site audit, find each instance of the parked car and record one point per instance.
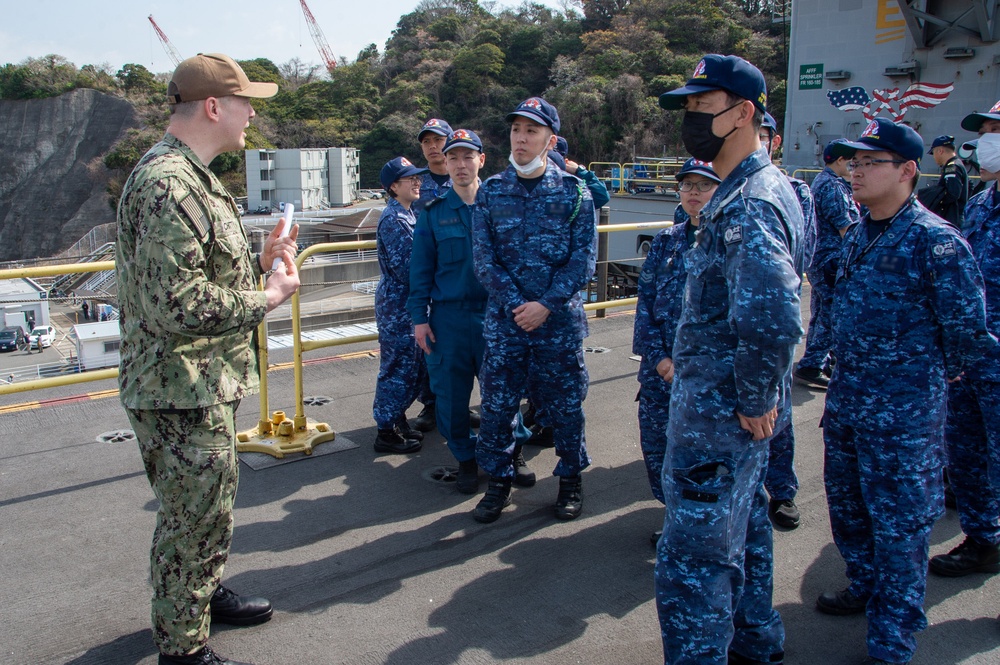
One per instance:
(12, 339)
(262, 210)
(239, 209)
(41, 337)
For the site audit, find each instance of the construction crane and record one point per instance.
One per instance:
(318, 38)
(167, 46)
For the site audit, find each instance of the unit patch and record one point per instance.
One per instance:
(733, 235)
(943, 249)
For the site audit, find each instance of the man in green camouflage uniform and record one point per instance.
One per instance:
(187, 284)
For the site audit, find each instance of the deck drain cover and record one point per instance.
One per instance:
(117, 436)
(316, 400)
(441, 474)
(595, 349)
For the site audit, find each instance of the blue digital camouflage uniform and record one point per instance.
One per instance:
(539, 246)
(908, 314)
(973, 429)
(445, 293)
(429, 190)
(835, 211)
(738, 329)
(660, 295)
(780, 480)
(187, 285)
(402, 369)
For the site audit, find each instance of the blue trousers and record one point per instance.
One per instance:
(654, 416)
(558, 384)
(883, 504)
(819, 337)
(973, 441)
(780, 481)
(714, 560)
(401, 372)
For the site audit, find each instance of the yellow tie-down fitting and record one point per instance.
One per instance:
(281, 436)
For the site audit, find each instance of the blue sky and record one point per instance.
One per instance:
(117, 31)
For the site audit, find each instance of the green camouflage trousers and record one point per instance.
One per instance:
(191, 463)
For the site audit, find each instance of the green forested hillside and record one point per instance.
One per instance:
(603, 64)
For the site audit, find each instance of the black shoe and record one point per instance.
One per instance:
(569, 503)
(523, 476)
(497, 498)
(879, 661)
(969, 557)
(811, 377)
(204, 657)
(654, 538)
(426, 419)
(541, 436)
(408, 432)
(229, 607)
(783, 513)
(389, 441)
(467, 480)
(474, 419)
(737, 659)
(840, 603)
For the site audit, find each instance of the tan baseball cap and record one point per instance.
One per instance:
(214, 75)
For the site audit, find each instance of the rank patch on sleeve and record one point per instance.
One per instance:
(733, 235)
(943, 249)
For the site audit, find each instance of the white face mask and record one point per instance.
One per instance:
(988, 152)
(531, 166)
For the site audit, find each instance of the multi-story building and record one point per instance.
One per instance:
(310, 178)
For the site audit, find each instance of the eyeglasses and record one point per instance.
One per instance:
(865, 164)
(702, 185)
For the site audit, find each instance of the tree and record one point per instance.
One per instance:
(136, 78)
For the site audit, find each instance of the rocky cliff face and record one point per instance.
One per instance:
(52, 181)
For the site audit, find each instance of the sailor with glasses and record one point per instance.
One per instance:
(908, 317)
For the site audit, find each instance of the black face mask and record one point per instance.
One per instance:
(696, 133)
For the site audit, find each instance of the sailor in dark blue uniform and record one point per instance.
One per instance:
(908, 316)
(401, 364)
(534, 247)
(739, 325)
(658, 310)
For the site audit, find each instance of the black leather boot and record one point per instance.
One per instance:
(569, 503)
(204, 657)
(497, 498)
(523, 476)
(231, 608)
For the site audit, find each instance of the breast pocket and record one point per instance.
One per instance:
(890, 306)
(454, 243)
(553, 238)
(705, 295)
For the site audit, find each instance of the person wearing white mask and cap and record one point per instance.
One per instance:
(972, 434)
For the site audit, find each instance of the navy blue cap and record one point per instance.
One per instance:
(539, 110)
(562, 146)
(397, 168)
(974, 121)
(557, 159)
(944, 139)
(462, 138)
(770, 124)
(828, 156)
(697, 167)
(436, 125)
(882, 134)
(721, 72)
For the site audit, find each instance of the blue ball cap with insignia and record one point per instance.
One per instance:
(944, 139)
(721, 72)
(883, 134)
(697, 167)
(435, 125)
(462, 138)
(974, 121)
(562, 146)
(769, 124)
(828, 156)
(397, 168)
(539, 110)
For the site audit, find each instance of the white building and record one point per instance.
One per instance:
(23, 300)
(310, 178)
(97, 344)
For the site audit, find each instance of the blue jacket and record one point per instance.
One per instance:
(539, 247)
(741, 317)
(429, 190)
(805, 198)
(982, 231)
(441, 267)
(394, 242)
(835, 211)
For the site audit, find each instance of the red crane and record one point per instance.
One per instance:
(167, 46)
(318, 38)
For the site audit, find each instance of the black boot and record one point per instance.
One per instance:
(389, 441)
(541, 436)
(569, 503)
(474, 420)
(407, 432)
(204, 657)
(523, 476)
(467, 480)
(229, 607)
(426, 419)
(497, 498)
